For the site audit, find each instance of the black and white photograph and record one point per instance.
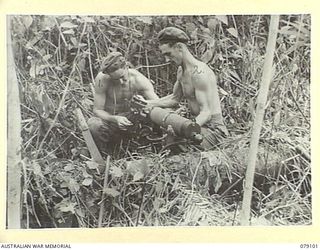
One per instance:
(158, 120)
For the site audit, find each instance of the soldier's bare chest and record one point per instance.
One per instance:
(187, 85)
(119, 92)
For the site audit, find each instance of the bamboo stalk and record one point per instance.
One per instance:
(105, 185)
(14, 141)
(141, 203)
(147, 62)
(61, 33)
(261, 101)
(303, 152)
(90, 63)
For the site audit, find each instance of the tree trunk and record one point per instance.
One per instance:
(14, 140)
(261, 102)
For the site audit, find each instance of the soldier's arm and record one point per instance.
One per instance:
(146, 87)
(173, 99)
(100, 98)
(202, 93)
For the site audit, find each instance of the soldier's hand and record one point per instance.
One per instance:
(140, 99)
(122, 122)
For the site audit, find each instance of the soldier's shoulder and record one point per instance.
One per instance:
(202, 72)
(203, 65)
(135, 76)
(101, 80)
(133, 72)
(101, 76)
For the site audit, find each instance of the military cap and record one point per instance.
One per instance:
(172, 34)
(113, 62)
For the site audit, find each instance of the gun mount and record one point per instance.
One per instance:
(164, 118)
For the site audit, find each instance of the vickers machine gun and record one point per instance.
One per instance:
(182, 127)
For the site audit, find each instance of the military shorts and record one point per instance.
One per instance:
(106, 134)
(214, 132)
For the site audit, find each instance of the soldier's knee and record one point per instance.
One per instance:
(94, 124)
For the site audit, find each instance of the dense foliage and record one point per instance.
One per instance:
(57, 58)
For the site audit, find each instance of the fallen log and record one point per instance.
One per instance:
(214, 170)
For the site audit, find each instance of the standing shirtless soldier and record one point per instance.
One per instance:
(115, 84)
(196, 82)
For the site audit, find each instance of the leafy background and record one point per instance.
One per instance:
(57, 58)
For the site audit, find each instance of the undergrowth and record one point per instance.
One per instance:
(57, 58)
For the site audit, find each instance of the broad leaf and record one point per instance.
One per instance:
(159, 187)
(190, 27)
(87, 182)
(222, 18)
(80, 212)
(82, 44)
(112, 192)
(27, 21)
(67, 207)
(73, 186)
(46, 57)
(218, 181)
(116, 171)
(37, 169)
(48, 23)
(68, 25)
(212, 156)
(69, 167)
(137, 166)
(157, 204)
(88, 19)
(144, 167)
(162, 210)
(233, 32)
(194, 35)
(145, 19)
(234, 75)
(92, 164)
(68, 32)
(85, 174)
(46, 104)
(87, 103)
(74, 41)
(138, 176)
(277, 118)
(260, 221)
(212, 23)
(32, 70)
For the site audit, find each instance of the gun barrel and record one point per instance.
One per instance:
(181, 126)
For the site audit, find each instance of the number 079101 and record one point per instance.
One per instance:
(309, 246)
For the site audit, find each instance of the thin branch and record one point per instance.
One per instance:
(63, 96)
(152, 66)
(105, 185)
(90, 66)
